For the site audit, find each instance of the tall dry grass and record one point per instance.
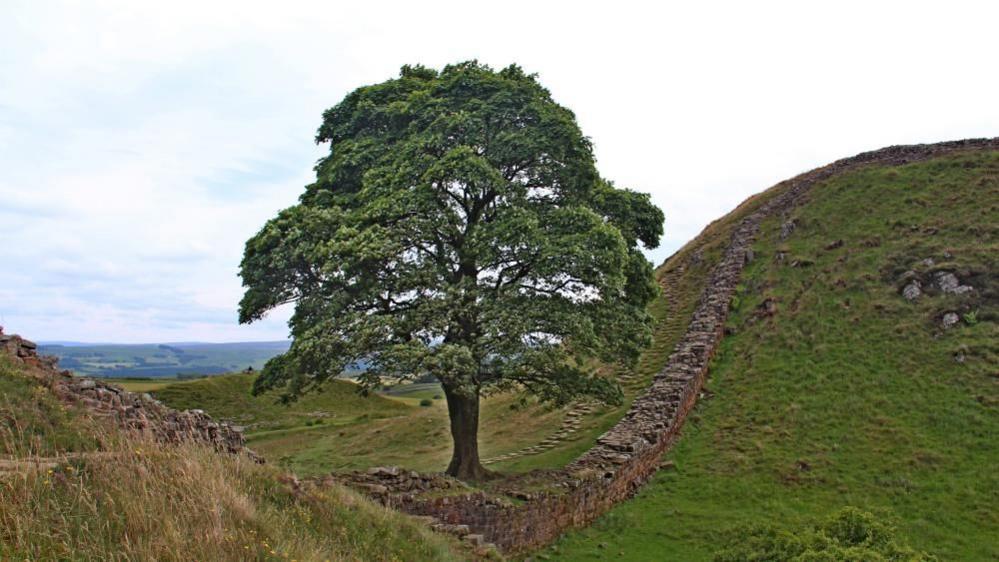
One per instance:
(140, 500)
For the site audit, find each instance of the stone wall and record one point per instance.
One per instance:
(627, 455)
(129, 410)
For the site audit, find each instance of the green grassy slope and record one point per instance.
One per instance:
(338, 429)
(229, 397)
(128, 499)
(849, 395)
(34, 423)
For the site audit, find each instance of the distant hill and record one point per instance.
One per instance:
(161, 360)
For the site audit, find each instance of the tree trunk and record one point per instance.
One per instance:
(463, 409)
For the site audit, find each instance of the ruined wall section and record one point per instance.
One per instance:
(129, 410)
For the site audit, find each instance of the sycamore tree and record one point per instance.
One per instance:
(458, 227)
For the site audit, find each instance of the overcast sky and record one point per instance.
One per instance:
(141, 143)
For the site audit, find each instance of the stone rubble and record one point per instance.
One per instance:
(132, 411)
(914, 284)
(787, 229)
(948, 283)
(380, 480)
(912, 291)
(949, 320)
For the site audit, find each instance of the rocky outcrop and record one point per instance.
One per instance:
(912, 290)
(948, 283)
(17, 347)
(132, 411)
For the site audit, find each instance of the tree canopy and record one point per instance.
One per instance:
(457, 227)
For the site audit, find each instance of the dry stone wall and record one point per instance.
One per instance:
(129, 410)
(627, 455)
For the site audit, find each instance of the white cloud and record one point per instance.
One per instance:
(141, 144)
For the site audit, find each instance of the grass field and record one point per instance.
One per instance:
(340, 429)
(414, 393)
(228, 397)
(849, 395)
(143, 385)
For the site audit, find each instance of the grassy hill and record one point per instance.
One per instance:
(229, 397)
(833, 389)
(72, 488)
(339, 429)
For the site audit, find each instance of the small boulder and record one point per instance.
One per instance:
(949, 320)
(475, 539)
(384, 471)
(912, 291)
(949, 283)
(375, 489)
(787, 228)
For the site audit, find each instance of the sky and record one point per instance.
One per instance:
(142, 143)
